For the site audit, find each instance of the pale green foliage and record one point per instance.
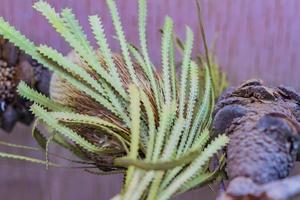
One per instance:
(142, 34)
(159, 124)
(194, 167)
(151, 125)
(98, 31)
(135, 115)
(166, 40)
(184, 69)
(32, 95)
(42, 114)
(121, 36)
(25, 158)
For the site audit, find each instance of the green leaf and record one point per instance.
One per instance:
(99, 34)
(25, 158)
(174, 138)
(18, 146)
(134, 181)
(167, 116)
(204, 111)
(194, 84)
(49, 140)
(82, 74)
(166, 68)
(153, 191)
(199, 144)
(184, 69)
(121, 36)
(138, 57)
(42, 141)
(105, 127)
(14, 36)
(142, 186)
(77, 118)
(173, 69)
(67, 32)
(30, 94)
(28, 47)
(164, 164)
(204, 178)
(134, 129)
(72, 24)
(194, 168)
(142, 16)
(151, 124)
(38, 136)
(135, 120)
(70, 67)
(73, 136)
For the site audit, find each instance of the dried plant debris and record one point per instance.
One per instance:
(7, 82)
(117, 113)
(9, 56)
(263, 126)
(14, 67)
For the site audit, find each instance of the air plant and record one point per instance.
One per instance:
(116, 112)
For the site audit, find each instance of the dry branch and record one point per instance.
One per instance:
(263, 126)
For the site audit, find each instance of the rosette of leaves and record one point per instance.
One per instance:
(117, 113)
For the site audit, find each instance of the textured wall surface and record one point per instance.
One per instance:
(255, 39)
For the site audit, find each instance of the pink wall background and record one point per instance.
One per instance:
(256, 39)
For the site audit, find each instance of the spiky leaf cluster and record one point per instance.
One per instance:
(116, 112)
